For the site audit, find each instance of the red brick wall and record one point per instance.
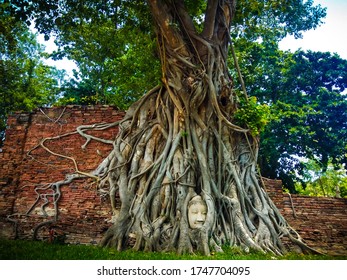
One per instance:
(320, 221)
(84, 215)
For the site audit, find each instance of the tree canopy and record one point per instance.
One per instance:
(113, 42)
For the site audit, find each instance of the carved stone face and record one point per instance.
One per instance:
(197, 211)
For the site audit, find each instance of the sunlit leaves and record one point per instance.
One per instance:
(252, 115)
(310, 112)
(275, 19)
(25, 81)
(319, 180)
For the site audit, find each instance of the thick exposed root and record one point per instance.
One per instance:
(165, 160)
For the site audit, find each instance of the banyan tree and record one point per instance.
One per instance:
(183, 166)
(179, 147)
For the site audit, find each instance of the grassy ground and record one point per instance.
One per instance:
(36, 250)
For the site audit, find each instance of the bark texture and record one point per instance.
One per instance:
(179, 141)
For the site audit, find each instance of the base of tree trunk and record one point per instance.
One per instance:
(163, 161)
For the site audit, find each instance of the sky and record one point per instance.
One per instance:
(331, 36)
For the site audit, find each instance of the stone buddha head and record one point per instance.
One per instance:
(197, 211)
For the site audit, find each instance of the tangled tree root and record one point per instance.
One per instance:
(160, 162)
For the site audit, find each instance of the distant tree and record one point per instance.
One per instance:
(25, 81)
(318, 180)
(77, 92)
(305, 92)
(309, 111)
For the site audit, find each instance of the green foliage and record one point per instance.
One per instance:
(320, 181)
(37, 250)
(274, 19)
(74, 92)
(308, 110)
(117, 62)
(25, 81)
(113, 43)
(253, 115)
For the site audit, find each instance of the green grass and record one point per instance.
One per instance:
(37, 250)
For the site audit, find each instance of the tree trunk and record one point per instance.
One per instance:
(186, 175)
